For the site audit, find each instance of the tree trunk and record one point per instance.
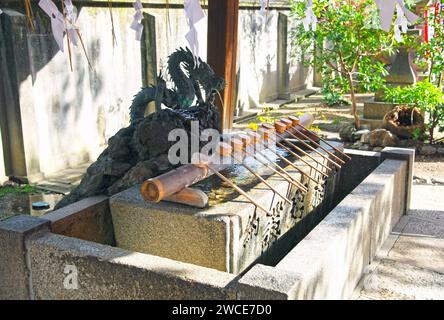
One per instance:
(434, 115)
(353, 101)
(431, 129)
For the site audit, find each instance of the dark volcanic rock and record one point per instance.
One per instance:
(151, 135)
(138, 152)
(347, 131)
(119, 148)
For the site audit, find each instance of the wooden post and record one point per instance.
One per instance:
(222, 52)
(149, 55)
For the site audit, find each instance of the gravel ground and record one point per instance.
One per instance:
(429, 166)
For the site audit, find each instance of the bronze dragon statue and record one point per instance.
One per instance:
(189, 82)
(140, 151)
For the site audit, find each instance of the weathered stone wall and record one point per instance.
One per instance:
(58, 119)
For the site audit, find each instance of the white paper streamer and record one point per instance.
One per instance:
(263, 10)
(61, 24)
(57, 20)
(387, 10)
(193, 13)
(401, 24)
(137, 25)
(71, 19)
(310, 21)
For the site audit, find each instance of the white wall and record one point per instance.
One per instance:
(74, 113)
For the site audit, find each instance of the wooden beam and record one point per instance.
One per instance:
(222, 52)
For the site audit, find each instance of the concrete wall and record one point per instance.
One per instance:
(266, 70)
(52, 119)
(67, 117)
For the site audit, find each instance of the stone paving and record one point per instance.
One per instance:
(411, 263)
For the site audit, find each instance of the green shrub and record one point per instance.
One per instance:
(19, 189)
(425, 95)
(344, 46)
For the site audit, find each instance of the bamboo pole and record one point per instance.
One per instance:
(289, 125)
(280, 129)
(283, 174)
(238, 145)
(171, 182)
(323, 140)
(295, 122)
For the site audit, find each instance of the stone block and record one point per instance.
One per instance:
(68, 268)
(409, 156)
(14, 267)
(386, 186)
(377, 110)
(88, 219)
(229, 235)
(267, 283)
(331, 259)
(171, 231)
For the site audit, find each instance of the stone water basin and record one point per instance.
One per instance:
(231, 233)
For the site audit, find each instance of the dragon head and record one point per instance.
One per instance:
(210, 82)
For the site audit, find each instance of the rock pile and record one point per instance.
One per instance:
(139, 152)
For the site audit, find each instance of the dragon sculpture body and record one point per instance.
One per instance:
(189, 82)
(140, 151)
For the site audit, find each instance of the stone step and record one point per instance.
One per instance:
(394, 280)
(63, 181)
(276, 104)
(245, 116)
(303, 94)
